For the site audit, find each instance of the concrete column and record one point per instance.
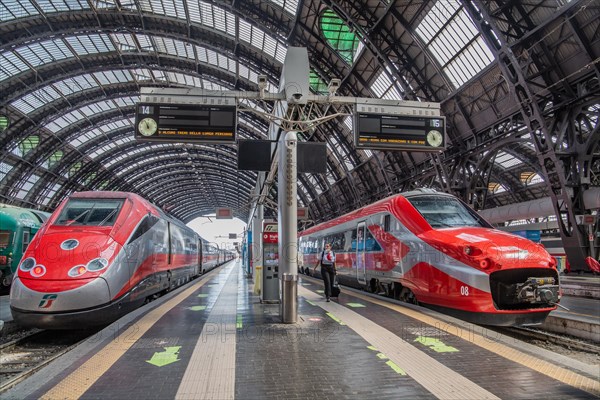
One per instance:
(288, 226)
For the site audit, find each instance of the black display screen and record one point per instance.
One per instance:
(399, 132)
(186, 123)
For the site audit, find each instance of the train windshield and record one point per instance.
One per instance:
(446, 212)
(93, 212)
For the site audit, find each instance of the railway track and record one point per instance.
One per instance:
(534, 334)
(24, 356)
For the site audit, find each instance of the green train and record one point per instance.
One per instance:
(17, 228)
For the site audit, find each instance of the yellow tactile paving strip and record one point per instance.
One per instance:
(544, 367)
(441, 381)
(77, 383)
(210, 373)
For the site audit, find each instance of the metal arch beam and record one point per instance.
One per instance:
(160, 193)
(21, 31)
(150, 177)
(149, 150)
(109, 62)
(210, 178)
(187, 192)
(556, 181)
(383, 58)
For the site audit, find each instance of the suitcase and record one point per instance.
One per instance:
(335, 288)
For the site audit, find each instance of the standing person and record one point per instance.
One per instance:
(327, 261)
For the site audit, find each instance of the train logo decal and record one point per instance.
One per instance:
(47, 300)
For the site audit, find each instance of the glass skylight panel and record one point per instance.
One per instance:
(258, 38)
(49, 6)
(91, 44)
(223, 62)
(27, 185)
(124, 41)
(270, 45)
(219, 19)
(4, 169)
(535, 179)
(384, 88)
(78, 141)
(245, 31)
(32, 101)
(45, 52)
(12, 9)
(206, 15)
(64, 121)
(194, 11)
(75, 85)
(127, 101)
(452, 38)
(11, 64)
(50, 194)
(507, 160)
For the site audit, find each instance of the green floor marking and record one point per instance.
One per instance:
(372, 348)
(203, 295)
(238, 323)
(336, 319)
(355, 305)
(169, 356)
(435, 344)
(320, 291)
(197, 308)
(382, 356)
(395, 367)
(310, 302)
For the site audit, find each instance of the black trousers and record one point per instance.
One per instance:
(328, 274)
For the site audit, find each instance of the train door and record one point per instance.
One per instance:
(361, 264)
(199, 257)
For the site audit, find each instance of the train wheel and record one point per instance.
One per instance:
(397, 290)
(388, 289)
(374, 286)
(408, 296)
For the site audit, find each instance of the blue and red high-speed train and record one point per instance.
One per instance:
(430, 248)
(101, 255)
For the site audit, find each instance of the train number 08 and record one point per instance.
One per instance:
(464, 290)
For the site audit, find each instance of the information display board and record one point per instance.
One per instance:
(399, 132)
(197, 123)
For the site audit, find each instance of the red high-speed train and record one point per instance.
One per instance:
(101, 255)
(430, 248)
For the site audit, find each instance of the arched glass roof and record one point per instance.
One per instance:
(71, 73)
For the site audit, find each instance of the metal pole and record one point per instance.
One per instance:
(288, 226)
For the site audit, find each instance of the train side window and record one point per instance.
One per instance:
(386, 222)
(147, 223)
(370, 242)
(4, 239)
(26, 239)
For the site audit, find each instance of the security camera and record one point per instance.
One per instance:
(334, 85)
(297, 96)
(262, 82)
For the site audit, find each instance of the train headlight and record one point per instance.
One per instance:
(485, 263)
(38, 270)
(97, 264)
(468, 250)
(77, 270)
(69, 244)
(27, 264)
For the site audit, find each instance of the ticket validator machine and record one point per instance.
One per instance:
(270, 276)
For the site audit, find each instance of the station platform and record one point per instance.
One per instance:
(213, 339)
